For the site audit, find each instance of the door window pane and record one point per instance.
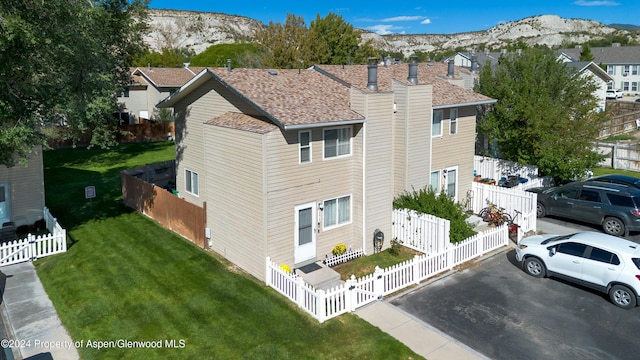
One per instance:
(305, 226)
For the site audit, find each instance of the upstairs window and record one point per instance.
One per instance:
(337, 142)
(304, 139)
(436, 124)
(453, 121)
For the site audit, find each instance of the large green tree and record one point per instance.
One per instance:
(545, 115)
(61, 62)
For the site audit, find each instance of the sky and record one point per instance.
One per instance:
(417, 17)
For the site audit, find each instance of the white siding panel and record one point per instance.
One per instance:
(26, 189)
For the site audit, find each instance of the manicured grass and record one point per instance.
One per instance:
(366, 265)
(604, 171)
(124, 277)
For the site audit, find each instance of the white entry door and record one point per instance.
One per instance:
(305, 232)
(4, 204)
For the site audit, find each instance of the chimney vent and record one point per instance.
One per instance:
(413, 70)
(229, 65)
(450, 69)
(387, 61)
(474, 63)
(372, 83)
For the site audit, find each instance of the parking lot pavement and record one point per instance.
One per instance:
(503, 313)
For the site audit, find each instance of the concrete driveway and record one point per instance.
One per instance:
(499, 311)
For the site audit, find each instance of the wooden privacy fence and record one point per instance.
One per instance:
(619, 156)
(354, 293)
(169, 210)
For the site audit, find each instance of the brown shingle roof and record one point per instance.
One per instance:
(292, 97)
(167, 77)
(243, 122)
(444, 92)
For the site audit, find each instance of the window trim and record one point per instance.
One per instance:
(337, 224)
(301, 147)
(191, 177)
(433, 119)
(324, 142)
(453, 121)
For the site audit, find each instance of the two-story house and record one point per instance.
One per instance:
(147, 87)
(291, 163)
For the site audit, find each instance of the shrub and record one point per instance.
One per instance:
(339, 249)
(440, 205)
(396, 247)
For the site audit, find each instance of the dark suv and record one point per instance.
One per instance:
(613, 206)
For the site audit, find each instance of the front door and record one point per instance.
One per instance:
(4, 204)
(305, 232)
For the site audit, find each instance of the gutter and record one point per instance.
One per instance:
(448, 106)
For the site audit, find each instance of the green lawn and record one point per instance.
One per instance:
(124, 277)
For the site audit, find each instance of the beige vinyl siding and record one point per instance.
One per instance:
(208, 101)
(26, 189)
(290, 184)
(137, 100)
(233, 181)
(400, 138)
(457, 149)
(418, 136)
(378, 163)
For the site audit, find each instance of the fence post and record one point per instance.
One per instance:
(299, 292)
(33, 255)
(416, 269)
(267, 276)
(64, 240)
(321, 309)
(349, 297)
(450, 258)
(378, 282)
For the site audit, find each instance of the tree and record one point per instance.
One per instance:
(337, 42)
(61, 62)
(166, 58)
(281, 45)
(585, 54)
(217, 55)
(544, 114)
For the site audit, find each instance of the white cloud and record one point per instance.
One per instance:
(596, 3)
(426, 22)
(402, 18)
(382, 29)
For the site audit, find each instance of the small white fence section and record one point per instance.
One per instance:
(339, 259)
(493, 168)
(33, 247)
(354, 293)
(423, 232)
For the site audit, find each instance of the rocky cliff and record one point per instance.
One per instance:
(199, 30)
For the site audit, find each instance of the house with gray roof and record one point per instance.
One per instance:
(291, 163)
(622, 64)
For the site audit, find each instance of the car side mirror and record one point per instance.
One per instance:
(552, 250)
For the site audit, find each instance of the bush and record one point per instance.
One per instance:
(440, 205)
(286, 268)
(339, 249)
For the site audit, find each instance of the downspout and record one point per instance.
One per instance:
(431, 146)
(364, 193)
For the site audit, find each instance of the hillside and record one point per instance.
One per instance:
(199, 30)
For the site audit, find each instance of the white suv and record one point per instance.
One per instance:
(614, 94)
(602, 262)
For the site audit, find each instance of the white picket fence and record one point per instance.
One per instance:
(354, 293)
(347, 256)
(33, 247)
(423, 232)
(493, 168)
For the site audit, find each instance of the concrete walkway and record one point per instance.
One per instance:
(420, 337)
(31, 317)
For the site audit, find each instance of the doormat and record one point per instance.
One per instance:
(310, 268)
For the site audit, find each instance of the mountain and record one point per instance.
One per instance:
(199, 30)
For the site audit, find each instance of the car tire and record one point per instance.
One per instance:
(540, 210)
(535, 267)
(622, 296)
(613, 226)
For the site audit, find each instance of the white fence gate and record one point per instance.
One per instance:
(354, 293)
(423, 232)
(33, 247)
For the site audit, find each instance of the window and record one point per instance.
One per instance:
(566, 194)
(571, 248)
(634, 86)
(436, 125)
(625, 86)
(604, 256)
(611, 69)
(434, 182)
(621, 200)
(337, 142)
(625, 72)
(304, 139)
(634, 69)
(453, 121)
(337, 211)
(123, 93)
(191, 182)
(452, 180)
(590, 195)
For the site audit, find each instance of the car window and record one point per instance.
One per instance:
(636, 261)
(571, 248)
(621, 200)
(604, 256)
(590, 195)
(566, 194)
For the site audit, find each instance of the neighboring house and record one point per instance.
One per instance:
(22, 192)
(622, 64)
(291, 163)
(597, 75)
(149, 86)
